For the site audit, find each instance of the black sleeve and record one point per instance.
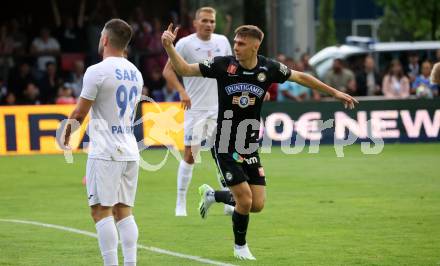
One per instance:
(212, 68)
(279, 72)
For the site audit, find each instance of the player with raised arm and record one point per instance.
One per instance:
(111, 89)
(198, 96)
(242, 82)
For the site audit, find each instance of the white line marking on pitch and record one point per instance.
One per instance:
(152, 249)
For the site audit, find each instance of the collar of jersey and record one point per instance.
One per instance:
(252, 69)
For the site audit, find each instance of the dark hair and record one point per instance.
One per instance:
(393, 63)
(119, 33)
(251, 31)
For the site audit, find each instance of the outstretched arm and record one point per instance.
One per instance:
(181, 67)
(313, 83)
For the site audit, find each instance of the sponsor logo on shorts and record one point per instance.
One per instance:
(228, 176)
(251, 160)
(261, 171)
(237, 157)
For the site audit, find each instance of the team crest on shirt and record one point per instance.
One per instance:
(243, 100)
(261, 77)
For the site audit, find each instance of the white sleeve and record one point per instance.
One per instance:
(180, 48)
(228, 46)
(91, 82)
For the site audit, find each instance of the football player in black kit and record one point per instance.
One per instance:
(242, 82)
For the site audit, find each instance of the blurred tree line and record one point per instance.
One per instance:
(409, 20)
(403, 20)
(326, 30)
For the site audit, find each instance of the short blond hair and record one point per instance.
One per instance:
(435, 74)
(206, 9)
(250, 31)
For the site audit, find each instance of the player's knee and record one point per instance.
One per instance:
(99, 213)
(257, 206)
(121, 211)
(118, 216)
(244, 202)
(96, 215)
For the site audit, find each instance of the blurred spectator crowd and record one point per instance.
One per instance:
(47, 66)
(397, 82)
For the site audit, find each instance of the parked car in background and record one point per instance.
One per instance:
(356, 48)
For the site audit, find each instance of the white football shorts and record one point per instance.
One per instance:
(199, 125)
(111, 182)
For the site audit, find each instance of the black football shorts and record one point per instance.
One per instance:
(236, 168)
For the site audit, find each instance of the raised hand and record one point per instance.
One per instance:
(348, 101)
(169, 36)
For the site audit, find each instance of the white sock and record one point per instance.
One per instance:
(184, 176)
(108, 240)
(128, 233)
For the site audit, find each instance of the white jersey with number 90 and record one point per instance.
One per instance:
(115, 86)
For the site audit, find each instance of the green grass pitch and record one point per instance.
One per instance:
(320, 210)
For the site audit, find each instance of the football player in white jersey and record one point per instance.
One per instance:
(111, 89)
(198, 96)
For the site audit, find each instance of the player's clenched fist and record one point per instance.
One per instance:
(169, 36)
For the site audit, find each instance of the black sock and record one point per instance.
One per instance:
(239, 226)
(224, 196)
